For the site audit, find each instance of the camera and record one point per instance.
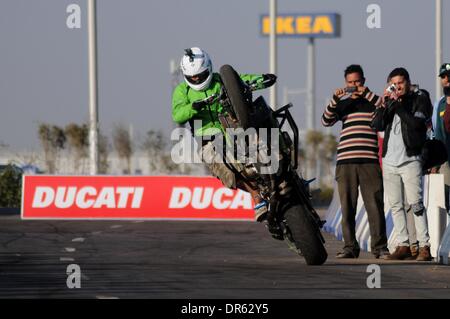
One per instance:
(447, 91)
(391, 88)
(350, 89)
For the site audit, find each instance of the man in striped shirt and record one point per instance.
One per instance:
(357, 162)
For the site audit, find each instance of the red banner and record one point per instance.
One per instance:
(132, 197)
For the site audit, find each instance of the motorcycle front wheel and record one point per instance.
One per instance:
(235, 92)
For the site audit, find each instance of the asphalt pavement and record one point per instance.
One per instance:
(190, 259)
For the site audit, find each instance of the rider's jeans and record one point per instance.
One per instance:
(215, 163)
(408, 175)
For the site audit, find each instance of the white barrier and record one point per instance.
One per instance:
(434, 201)
(334, 217)
(444, 249)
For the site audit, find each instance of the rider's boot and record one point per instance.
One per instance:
(261, 210)
(261, 206)
(285, 189)
(262, 214)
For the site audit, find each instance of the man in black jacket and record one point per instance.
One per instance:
(404, 116)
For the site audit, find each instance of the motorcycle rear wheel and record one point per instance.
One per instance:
(306, 234)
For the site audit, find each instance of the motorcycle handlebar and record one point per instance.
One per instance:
(268, 80)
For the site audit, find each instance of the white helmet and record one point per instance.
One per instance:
(197, 68)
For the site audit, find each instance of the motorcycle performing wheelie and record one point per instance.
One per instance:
(255, 151)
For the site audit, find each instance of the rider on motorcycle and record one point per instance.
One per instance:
(189, 104)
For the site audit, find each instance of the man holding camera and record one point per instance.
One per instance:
(404, 116)
(441, 122)
(357, 161)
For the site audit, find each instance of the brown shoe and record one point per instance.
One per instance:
(414, 252)
(382, 254)
(400, 253)
(424, 254)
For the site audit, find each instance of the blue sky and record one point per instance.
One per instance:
(43, 64)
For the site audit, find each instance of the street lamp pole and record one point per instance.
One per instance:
(273, 51)
(93, 89)
(311, 86)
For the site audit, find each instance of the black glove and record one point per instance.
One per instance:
(198, 105)
(269, 79)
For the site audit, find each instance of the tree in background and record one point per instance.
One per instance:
(159, 160)
(123, 145)
(328, 153)
(78, 142)
(10, 187)
(302, 162)
(53, 140)
(103, 151)
(29, 159)
(313, 141)
(153, 146)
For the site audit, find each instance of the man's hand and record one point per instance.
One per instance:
(269, 79)
(387, 99)
(359, 91)
(391, 95)
(339, 93)
(198, 105)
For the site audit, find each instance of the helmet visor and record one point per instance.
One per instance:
(198, 78)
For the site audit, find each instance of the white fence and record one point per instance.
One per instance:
(438, 221)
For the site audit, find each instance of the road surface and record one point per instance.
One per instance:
(190, 259)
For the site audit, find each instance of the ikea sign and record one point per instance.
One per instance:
(326, 25)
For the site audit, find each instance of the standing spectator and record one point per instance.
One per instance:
(357, 161)
(442, 114)
(403, 117)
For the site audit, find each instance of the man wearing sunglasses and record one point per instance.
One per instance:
(403, 117)
(441, 116)
(190, 103)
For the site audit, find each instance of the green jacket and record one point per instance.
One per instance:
(183, 97)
